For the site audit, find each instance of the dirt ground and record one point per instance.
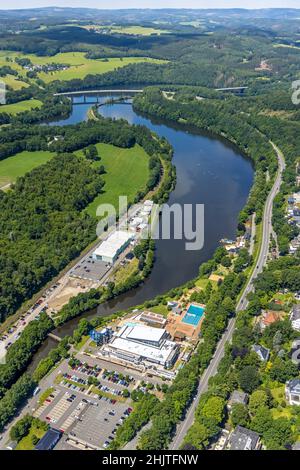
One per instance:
(71, 289)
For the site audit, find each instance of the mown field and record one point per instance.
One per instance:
(19, 107)
(134, 30)
(126, 173)
(13, 82)
(21, 163)
(80, 66)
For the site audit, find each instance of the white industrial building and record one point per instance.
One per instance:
(139, 343)
(111, 248)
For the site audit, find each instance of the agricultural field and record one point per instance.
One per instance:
(126, 173)
(20, 107)
(133, 30)
(19, 164)
(13, 82)
(80, 66)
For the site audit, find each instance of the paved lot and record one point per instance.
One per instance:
(96, 424)
(119, 368)
(90, 269)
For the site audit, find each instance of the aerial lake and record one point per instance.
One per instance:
(210, 171)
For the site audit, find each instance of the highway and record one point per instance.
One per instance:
(97, 92)
(211, 370)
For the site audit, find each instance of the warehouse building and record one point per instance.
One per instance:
(138, 343)
(111, 248)
(49, 440)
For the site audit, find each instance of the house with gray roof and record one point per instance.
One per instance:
(243, 439)
(295, 317)
(292, 391)
(237, 397)
(262, 352)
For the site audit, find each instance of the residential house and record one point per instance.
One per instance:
(262, 352)
(295, 317)
(243, 439)
(292, 391)
(237, 397)
(268, 318)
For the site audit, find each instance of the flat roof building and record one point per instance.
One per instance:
(143, 334)
(49, 440)
(153, 319)
(111, 248)
(140, 343)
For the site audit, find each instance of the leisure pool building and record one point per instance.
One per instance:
(138, 344)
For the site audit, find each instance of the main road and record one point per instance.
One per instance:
(261, 261)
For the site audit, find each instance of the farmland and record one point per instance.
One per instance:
(126, 173)
(79, 65)
(14, 83)
(133, 30)
(19, 164)
(20, 107)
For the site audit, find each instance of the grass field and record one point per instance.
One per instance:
(161, 309)
(133, 30)
(13, 82)
(80, 66)
(124, 272)
(19, 107)
(126, 173)
(21, 163)
(26, 442)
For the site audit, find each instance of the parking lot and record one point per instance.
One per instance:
(90, 269)
(84, 418)
(98, 424)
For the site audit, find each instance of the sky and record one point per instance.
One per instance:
(154, 3)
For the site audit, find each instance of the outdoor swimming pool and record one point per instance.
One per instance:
(193, 315)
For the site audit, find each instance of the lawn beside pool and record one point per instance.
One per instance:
(21, 163)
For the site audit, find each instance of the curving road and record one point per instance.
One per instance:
(211, 370)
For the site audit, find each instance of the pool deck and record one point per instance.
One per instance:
(175, 326)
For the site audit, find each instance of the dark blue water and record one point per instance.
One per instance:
(209, 172)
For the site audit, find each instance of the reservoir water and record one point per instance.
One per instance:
(209, 171)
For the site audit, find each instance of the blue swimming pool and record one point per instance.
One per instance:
(193, 315)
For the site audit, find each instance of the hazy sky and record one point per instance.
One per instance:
(154, 3)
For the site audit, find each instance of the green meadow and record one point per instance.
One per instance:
(19, 164)
(14, 83)
(134, 30)
(20, 107)
(126, 173)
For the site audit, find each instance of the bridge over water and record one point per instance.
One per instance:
(236, 90)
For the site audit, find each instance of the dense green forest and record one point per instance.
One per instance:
(42, 227)
(42, 222)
